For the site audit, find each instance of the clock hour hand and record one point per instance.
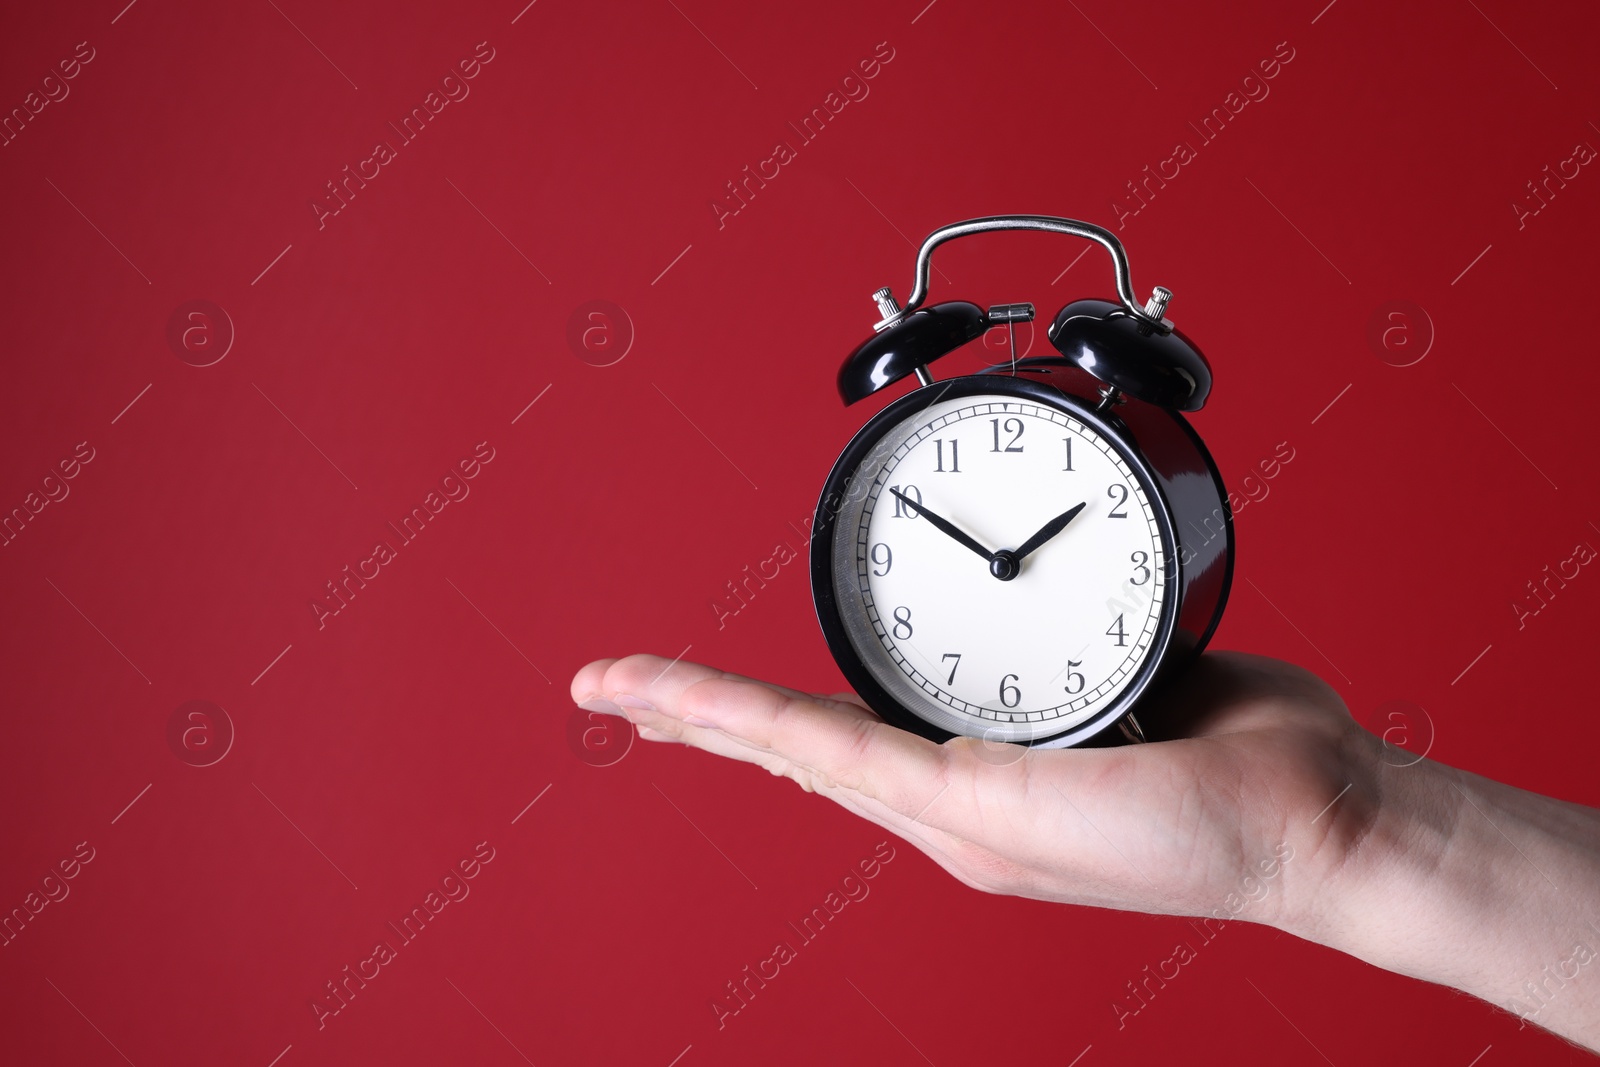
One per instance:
(942, 525)
(1047, 531)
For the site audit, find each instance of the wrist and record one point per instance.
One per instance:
(1442, 875)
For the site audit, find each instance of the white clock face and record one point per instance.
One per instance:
(920, 594)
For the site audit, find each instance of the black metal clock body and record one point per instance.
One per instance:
(1111, 355)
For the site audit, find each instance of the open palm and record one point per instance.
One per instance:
(1248, 754)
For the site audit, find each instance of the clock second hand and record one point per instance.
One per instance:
(943, 525)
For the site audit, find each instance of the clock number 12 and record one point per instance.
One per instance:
(1014, 427)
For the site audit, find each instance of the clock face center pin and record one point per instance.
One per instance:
(1004, 565)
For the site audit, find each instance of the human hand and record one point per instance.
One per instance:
(1259, 798)
(1258, 749)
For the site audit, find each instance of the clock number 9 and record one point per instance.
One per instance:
(1140, 561)
(1013, 426)
(1074, 678)
(888, 559)
(900, 509)
(1010, 695)
(902, 621)
(1119, 493)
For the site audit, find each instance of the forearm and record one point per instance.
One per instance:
(1456, 879)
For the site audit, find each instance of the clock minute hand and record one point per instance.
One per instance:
(1047, 531)
(942, 525)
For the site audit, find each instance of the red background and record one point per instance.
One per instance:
(377, 351)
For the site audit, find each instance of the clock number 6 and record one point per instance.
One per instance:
(888, 559)
(1119, 493)
(1010, 695)
(902, 621)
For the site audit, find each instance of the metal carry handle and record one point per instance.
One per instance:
(1150, 312)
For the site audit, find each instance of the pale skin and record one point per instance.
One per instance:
(1408, 864)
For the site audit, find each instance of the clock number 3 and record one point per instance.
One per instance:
(1140, 561)
(902, 621)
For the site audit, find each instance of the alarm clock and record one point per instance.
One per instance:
(1023, 554)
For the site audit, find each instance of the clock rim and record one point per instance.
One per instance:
(824, 601)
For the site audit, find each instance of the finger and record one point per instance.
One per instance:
(948, 800)
(955, 801)
(837, 743)
(846, 701)
(953, 854)
(959, 788)
(656, 724)
(589, 682)
(586, 683)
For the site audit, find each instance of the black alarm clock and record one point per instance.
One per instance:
(1021, 554)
